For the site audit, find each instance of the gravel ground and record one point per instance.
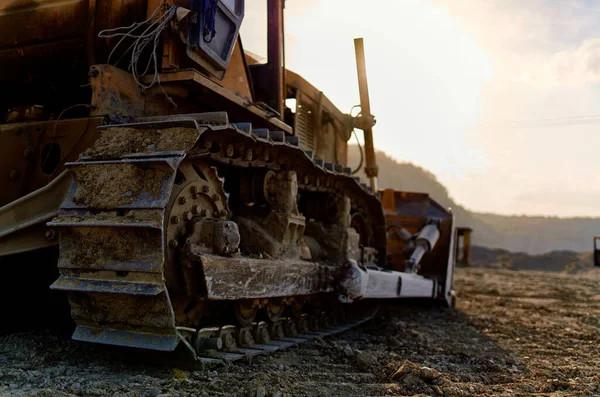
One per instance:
(514, 333)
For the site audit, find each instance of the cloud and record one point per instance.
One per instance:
(536, 42)
(574, 66)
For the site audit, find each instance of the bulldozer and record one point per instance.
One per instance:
(160, 173)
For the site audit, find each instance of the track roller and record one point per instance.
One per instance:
(261, 332)
(227, 335)
(244, 337)
(207, 339)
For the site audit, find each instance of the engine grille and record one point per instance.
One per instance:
(305, 127)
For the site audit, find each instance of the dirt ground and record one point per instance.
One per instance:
(513, 333)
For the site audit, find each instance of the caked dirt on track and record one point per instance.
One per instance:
(514, 333)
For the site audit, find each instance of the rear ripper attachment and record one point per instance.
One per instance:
(173, 229)
(421, 242)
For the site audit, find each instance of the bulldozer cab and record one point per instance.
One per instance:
(596, 250)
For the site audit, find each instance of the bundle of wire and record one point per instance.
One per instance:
(155, 25)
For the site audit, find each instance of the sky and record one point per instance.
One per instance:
(500, 99)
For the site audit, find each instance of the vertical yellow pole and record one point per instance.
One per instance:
(371, 168)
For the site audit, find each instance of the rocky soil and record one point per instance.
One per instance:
(513, 333)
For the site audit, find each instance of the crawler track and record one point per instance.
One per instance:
(140, 270)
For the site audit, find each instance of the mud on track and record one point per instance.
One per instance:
(514, 333)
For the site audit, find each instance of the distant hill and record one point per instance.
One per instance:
(562, 260)
(532, 235)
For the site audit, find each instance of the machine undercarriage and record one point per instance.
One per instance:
(167, 225)
(221, 223)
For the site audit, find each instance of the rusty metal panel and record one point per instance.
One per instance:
(47, 37)
(115, 93)
(209, 91)
(264, 278)
(236, 78)
(24, 22)
(24, 166)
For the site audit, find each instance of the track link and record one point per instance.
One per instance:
(211, 359)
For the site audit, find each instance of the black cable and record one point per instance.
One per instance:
(360, 149)
(54, 132)
(56, 124)
(87, 125)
